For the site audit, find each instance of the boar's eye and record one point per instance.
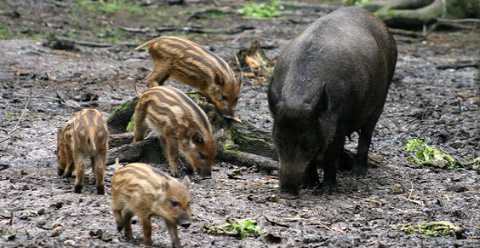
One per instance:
(198, 139)
(202, 156)
(174, 203)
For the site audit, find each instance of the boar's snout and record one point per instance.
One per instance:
(291, 177)
(205, 173)
(184, 221)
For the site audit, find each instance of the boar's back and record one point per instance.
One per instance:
(343, 62)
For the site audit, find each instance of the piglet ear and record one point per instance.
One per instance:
(186, 181)
(165, 186)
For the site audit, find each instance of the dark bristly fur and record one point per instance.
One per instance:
(330, 81)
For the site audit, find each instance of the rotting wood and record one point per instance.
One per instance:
(239, 143)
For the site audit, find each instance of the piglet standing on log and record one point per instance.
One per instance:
(188, 62)
(84, 139)
(330, 81)
(182, 125)
(138, 190)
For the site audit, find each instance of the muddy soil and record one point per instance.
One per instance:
(41, 87)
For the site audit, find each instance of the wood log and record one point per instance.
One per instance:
(239, 143)
(417, 13)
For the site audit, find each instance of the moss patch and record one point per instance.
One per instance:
(432, 229)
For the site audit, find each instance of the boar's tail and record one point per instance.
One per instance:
(91, 140)
(147, 43)
(117, 164)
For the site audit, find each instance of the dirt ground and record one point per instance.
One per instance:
(40, 87)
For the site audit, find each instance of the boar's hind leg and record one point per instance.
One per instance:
(99, 166)
(311, 175)
(127, 223)
(79, 172)
(361, 166)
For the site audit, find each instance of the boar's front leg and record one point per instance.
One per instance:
(365, 137)
(311, 175)
(173, 232)
(333, 155)
(171, 150)
(147, 229)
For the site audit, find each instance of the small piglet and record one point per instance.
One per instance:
(189, 63)
(139, 190)
(182, 125)
(84, 139)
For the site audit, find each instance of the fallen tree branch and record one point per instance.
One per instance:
(407, 33)
(200, 30)
(459, 65)
(20, 119)
(247, 159)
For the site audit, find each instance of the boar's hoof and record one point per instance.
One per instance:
(311, 182)
(175, 173)
(100, 190)
(327, 188)
(68, 174)
(289, 196)
(77, 189)
(347, 162)
(360, 171)
(148, 242)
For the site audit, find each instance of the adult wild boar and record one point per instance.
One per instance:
(330, 81)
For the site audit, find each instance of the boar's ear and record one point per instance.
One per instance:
(197, 138)
(165, 186)
(186, 181)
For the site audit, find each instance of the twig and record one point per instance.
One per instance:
(24, 111)
(459, 65)
(12, 216)
(406, 33)
(84, 43)
(274, 222)
(199, 30)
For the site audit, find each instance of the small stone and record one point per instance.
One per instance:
(69, 242)
(272, 198)
(397, 189)
(41, 211)
(56, 231)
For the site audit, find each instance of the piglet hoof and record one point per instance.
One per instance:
(77, 189)
(175, 173)
(176, 245)
(148, 243)
(100, 190)
(60, 172)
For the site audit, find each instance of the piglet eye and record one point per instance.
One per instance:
(174, 203)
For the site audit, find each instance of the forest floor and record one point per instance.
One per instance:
(41, 87)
